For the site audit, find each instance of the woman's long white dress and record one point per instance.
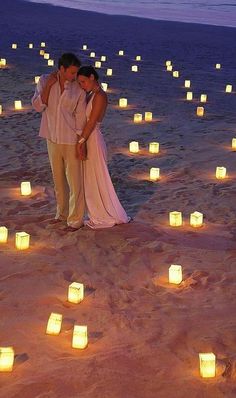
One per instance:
(103, 206)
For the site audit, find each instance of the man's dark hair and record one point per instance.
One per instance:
(68, 59)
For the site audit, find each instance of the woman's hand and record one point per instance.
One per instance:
(81, 151)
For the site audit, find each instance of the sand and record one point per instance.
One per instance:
(144, 334)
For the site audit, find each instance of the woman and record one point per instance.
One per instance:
(104, 208)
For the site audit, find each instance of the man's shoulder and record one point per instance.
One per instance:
(77, 89)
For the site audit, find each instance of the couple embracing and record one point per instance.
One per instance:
(73, 105)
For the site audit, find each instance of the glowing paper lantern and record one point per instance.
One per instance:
(189, 96)
(92, 54)
(6, 359)
(148, 116)
(31, 45)
(76, 292)
(85, 47)
(169, 68)
(25, 188)
(41, 52)
(18, 105)
(138, 117)
(154, 174)
(176, 73)
(196, 219)
(154, 147)
(103, 58)
(22, 240)
(200, 111)
(14, 46)
(36, 79)
(50, 62)
(46, 55)
(175, 274)
(203, 98)
(207, 363)
(220, 172)
(98, 64)
(175, 218)
(168, 63)
(3, 234)
(123, 102)
(134, 68)
(54, 324)
(109, 72)
(187, 83)
(228, 88)
(3, 62)
(104, 86)
(134, 147)
(218, 66)
(0, 109)
(121, 52)
(138, 58)
(234, 144)
(43, 44)
(80, 337)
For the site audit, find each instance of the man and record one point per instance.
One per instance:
(62, 103)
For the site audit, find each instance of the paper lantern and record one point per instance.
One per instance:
(134, 68)
(203, 98)
(196, 219)
(14, 46)
(36, 79)
(189, 96)
(138, 58)
(50, 62)
(3, 62)
(175, 218)
(109, 72)
(6, 359)
(123, 102)
(31, 45)
(54, 324)
(218, 66)
(22, 240)
(138, 117)
(200, 111)
(187, 83)
(234, 144)
(154, 147)
(0, 109)
(207, 362)
(121, 52)
(3, 234)
(169, 68)
(220, 172)
(148, 116)
(85, 47)
(75, 292)
(92, 54)
(154, 173)
(134, 147)
(43, 44)
(176, 73)
(168, 63)
(98, 64)
(228, 88)
(175, 274)
(104, 86)
(25, 188)
(103, 58)
(80, 337)
(41, 52)
(18, 105)
(46, 55)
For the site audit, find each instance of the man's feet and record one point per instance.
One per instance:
(54, 221)
(71, 229)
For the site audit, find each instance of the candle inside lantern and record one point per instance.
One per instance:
(3, 234)
(31, 45)
(168, 63)
(36, 79)
(134, 68)
(134, 147)
(92, 54)
(154, 173)
(138, 117)
(189, 96)
(196, 219)
(148, 116)
(46, 55)
(220, 172)
(98, 64)
(0, 109)
(14, 46)
(228, 88)
(169, 68)
(187, 83)
(154, 147)
(41, 52)
(123, 102)
(76, 292)
(104, 86)
(18, 105)
(175, 274)
(175, 218)
(203, 98)
(176, 73)
(80, 337)
(22, 240)
(109, 72)
(234, 144)
(85, 47)
(42, 44)
(6, 359)
(138, 58)
(25, 188)
(50, 62)
(103, 58)
(121, 52)
(3, 62)
(54, 324)
(218, 66)
(200, 111)
(207, 363)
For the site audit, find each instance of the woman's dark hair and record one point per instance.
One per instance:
(88, 71)
(67, 60)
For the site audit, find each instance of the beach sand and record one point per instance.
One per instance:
(144, 333)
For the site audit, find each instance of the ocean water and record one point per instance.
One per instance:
(212, 12)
